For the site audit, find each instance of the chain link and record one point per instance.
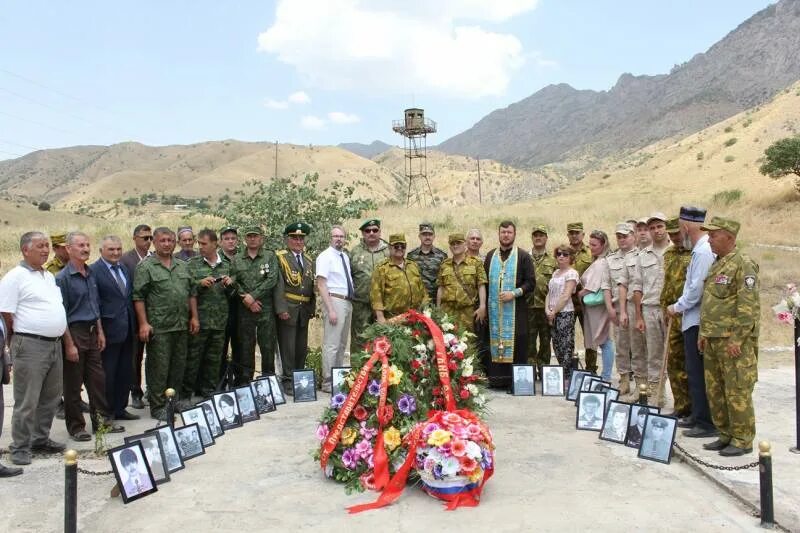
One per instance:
(699, 461)
(93, 473)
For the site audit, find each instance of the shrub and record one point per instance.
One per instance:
(727, 197)
(731, 141)
(700, 156)
(44, 206)
(729, 159)
(729, 129)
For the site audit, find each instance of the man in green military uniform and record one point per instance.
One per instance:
(544, 265)
(294, 299)
(729, 323)
(255, 274)
(211, 285)
(364, 257)
(676, 261)
(396, 283)
(161, 289)
(229, 247)
(60, 256)
(462, 281)
(428, 258)
(583, 258)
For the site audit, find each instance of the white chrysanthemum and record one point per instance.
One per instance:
(467, 370)
(472, 388)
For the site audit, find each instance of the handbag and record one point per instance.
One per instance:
(593, 299)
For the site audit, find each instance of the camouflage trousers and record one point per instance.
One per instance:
(203, 362)
(729, 387)
(654, 335)
(463, 315)
(362, 317)
(676, 369)
(164, 366)
(254, 328)
(538, 330)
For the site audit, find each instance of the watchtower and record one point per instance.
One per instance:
(415, 129)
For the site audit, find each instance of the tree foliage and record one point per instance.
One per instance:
(274, 204)
(782, 159)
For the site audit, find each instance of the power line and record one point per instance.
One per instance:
(2, 141)
(38, 123)
(54, 90)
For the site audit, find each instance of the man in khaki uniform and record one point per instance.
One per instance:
(364, 257)
(627, 316)
(729, 324)
(615, 273)
(544, 265)
(583, 258)
(462, 280)
(396, 283)
(60, 255)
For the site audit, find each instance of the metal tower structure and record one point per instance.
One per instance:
(415, 129)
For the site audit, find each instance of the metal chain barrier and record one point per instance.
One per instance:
(93, 473)
(701, 462)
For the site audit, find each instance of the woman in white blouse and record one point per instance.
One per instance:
(559, 309)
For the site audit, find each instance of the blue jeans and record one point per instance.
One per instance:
(607, 349)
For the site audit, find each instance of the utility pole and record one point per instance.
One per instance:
(480, 195)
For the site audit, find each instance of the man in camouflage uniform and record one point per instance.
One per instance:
(583, 258)
(428, 258)
(229, 247)
(364, 257)
(294, 299)
(60, 255)
(462, 280)
(396, 283)
(211, 286)
(627, 314)
(729, 324)
(544, 265)
(676, 261)
(161, 290)
(611, 281)
(255, 274)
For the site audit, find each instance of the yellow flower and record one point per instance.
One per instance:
(395, 374)
(391, 437)
(439, 437)
(349, 436)
(476, 475)
(350, 379)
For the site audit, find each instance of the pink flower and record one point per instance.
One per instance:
(458, 447)
(367, 432)
(459, 431)
(452, 419)
(367, 480)
(445, 449)
(363, 448)
(322, 431)
(785, 317)
(468, 465)
(474, 430)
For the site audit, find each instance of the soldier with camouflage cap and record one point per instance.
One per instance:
(364, 257)
(228, 248)
(544, 265)
(60, 258)
(461, 291)
(428, 258)
(729, 324)
(583, 259)
(396, 283)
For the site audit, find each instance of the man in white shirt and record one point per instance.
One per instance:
(335, 286)
(35, 319)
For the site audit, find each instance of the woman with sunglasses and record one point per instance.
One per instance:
(396, 283)
(597, 302)
(560, 310)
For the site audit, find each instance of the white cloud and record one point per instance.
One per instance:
(338, 117)
(416, 47)
(300, 97)
(276, 104)
(311, 122)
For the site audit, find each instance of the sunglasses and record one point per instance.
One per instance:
(562, 254)
(399, 246)
(145, 237)
(371, 230)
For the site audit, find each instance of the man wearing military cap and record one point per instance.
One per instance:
(616, 272)
(229, 247)
(255, 274)
(544, 265)
(729, 324)
(583, 258)
(60, 258)
(461, 285)
(428, 257)
(396, 283)
(364, 257)
(294, 299)
(627, 313)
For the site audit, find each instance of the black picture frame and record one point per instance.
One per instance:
(611, 431)
(553, 380)
(338, 374)
(659, 434)
(212, 417)
(262, 395)
(304, 385)
(611, 394)
(639, 412)
(197, 415)
(132, 472)
(590, 405)
(585, 383)
(277, 389)
(247, 403)
(189, 443)
(574, 384)
(597, 384)
(169, 445)
(227, 407)
(523, 380)
(154, 454)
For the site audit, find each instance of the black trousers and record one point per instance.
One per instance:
(697, 380)
(118, 365)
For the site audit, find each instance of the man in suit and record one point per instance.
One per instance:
(116, 311)
(142, 238)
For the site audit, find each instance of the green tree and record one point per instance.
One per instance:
(275, 204)
(782, 159)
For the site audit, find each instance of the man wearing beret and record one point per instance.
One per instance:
(583, 258)
(461, 291)
(729, 323)
(428, 258)
(294, 299)
(544, 265)
(364, 257)
(60, 255)
(615, 274)
(396, 283)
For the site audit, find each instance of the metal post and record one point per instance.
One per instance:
(170, 394)
(643, 394)
(765, 479)
(796, 447)
(70, 491)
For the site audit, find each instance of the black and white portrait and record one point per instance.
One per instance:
(277, 390)
(589, 415)
(597, 384)
(211, 417)
(523, 381)
(154, 455)
(196, 415)
(247, 404)
(575, 384)
(134, 477)
(304, 386)
(636, 424)
(262, 395)
(228, 410)
(189, 443)
(611, 395)
(553, 380)
(615, 426)
(170, 447)
(659, 433)
(338, 374)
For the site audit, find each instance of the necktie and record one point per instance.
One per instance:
(299, 260)
(118, 278)
(347, 277)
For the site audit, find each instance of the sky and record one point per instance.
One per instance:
(317, 71)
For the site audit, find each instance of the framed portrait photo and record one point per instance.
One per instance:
(262, 395)
(154, 455)
(189, 443)
(596, 384)
(585, 383)
(197, 415)
(211, 417)
(575, 381)
(170, 448)
(639, 414)
(552, 380)
(227, 409)
(277, 389)
(134, 477)
(304, 385)
(338, 374)
(611, 394)
(659, 434)
(247, 403)
(589, 415)
(523, 383)
(615, 425)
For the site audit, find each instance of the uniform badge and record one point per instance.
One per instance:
(721, 279)
(264, 269)
(750, 282)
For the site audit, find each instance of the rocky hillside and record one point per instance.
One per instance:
(367, 151)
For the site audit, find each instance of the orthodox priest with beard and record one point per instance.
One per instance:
(511, 277)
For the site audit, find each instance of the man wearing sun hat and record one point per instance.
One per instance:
(364, 257)
(396, 283)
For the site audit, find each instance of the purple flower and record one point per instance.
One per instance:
(363, 448)
(437, 471)
(407, 404)
(374, 388)
(337, 400)
(350, 459)
(367, 432)
(486, 459)
(430, 427)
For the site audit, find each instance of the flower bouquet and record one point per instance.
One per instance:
(788, 309)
